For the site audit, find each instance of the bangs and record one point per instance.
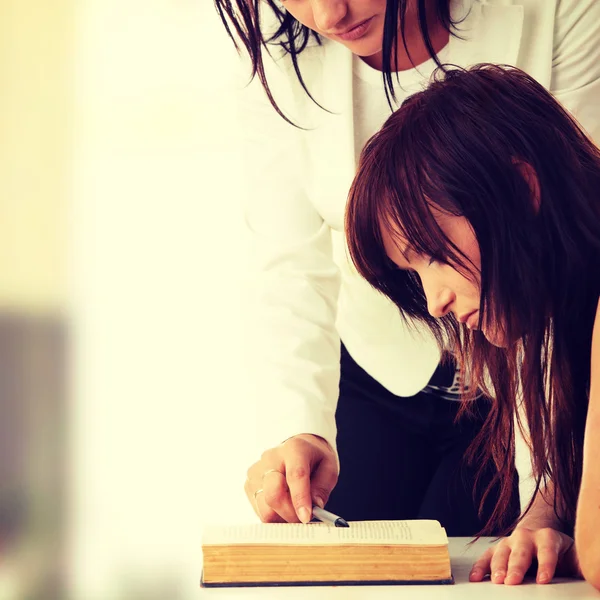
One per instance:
(399, 191)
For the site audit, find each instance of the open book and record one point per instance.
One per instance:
(366, 552)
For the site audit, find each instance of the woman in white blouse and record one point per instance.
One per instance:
(329, 356)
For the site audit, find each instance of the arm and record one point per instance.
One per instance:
(588, 510)
(576, 84)
(289, 307)
(541, 515)
(537, 535)
(292, 283)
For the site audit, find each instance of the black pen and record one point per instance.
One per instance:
(327, 517)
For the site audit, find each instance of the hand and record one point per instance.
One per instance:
(288, 479)
(509, 560)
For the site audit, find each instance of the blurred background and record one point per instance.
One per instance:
(124, 426)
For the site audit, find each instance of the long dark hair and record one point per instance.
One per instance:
(458, 146)
(245, 18)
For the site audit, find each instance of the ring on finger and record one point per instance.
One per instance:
(270, 471)
(256, 493)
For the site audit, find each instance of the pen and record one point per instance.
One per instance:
(327, 517)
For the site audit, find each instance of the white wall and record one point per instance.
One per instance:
(160, 413)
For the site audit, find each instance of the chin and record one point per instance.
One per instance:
(364, 49)
(496, 338)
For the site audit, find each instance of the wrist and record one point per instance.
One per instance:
(310, 437)
(535, 522)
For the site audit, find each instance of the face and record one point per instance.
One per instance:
(357, 24)
(448, 289)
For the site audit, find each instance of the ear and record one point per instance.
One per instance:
(530, 176)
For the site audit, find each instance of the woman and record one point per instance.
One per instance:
(331, 67)
(476, 210)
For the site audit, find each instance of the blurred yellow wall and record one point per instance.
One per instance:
(36, 106)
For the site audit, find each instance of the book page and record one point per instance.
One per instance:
(418, 532)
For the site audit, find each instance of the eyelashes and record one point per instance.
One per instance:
(416, 259)
(440, 260)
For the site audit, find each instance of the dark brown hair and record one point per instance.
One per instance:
(457, 147)
(245, 18)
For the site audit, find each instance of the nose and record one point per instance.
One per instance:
(328, 13)
(439, 300)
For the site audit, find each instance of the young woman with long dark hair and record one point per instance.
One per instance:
(476, 211)
(340, 380)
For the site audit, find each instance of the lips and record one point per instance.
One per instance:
(356, 31)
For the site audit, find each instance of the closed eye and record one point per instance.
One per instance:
(436, 259)
(390, 264)
(397, 268)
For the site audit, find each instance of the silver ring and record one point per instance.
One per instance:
(256, 493)
(270, 471)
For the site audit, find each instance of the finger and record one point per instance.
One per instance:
(520, 559)
(323, 480)
(549, 546)
(249, 493)
(254, 489)
(547, 561)
(568, 563)
(254, 474)
(297, 472)
(277, 495)
(265, 512)
(481, 567)
(499, 563)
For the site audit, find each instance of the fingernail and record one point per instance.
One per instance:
(304, 514)
(498, 575)
(473, 573)
(512, 574)
(319, 502)
(543, 577)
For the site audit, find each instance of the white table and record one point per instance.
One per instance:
(462, 560)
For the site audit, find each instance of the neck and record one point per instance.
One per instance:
(416, 51)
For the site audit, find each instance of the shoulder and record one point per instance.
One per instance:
(559, 14)
(312, 56)
(321, 66)
(553, 14)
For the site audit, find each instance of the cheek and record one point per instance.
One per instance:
(461, 233)
(467, 287)
(471, 249)
(470, 274)
(464, 283)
